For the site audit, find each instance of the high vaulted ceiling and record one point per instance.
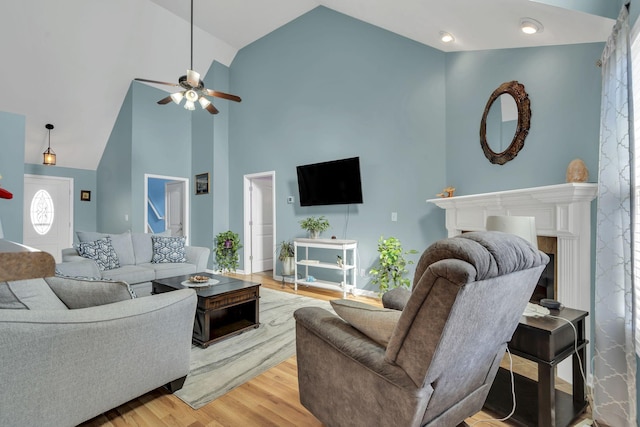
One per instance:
(70, 62)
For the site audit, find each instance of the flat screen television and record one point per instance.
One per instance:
(330, 183)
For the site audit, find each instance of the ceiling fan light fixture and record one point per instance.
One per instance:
(49, 156)
(204, 102)
(191, 95)
(446, 37)
(530, 26)
(188, 105)
(177, 97)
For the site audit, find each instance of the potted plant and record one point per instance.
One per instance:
(286, 255)
(391, 265)
(314, 225)
(226, 251)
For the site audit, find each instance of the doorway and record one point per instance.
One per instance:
(259, 222)
(166, 205)
(48, 214)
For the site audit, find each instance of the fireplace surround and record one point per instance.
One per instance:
(562, 213)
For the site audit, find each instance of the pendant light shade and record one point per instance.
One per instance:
(49, 156)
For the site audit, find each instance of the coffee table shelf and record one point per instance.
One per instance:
(224, 310)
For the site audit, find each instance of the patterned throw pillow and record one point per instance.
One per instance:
(168, 249)
(101, 251)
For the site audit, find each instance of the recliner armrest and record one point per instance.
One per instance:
(396, 298)
(350, 342)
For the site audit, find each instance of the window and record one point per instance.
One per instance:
(42, 212)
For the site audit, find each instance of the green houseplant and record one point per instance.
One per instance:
(226, 251)
(286, 256)
(315, 225)
(391, 265)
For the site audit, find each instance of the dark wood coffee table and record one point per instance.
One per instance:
(227, 308)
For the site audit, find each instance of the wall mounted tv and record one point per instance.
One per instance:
(330, 183)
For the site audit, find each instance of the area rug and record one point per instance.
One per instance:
(231, 362)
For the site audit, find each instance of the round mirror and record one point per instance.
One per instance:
(505, 123)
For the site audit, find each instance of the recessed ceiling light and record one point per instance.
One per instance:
(530, 26)
(446, 37)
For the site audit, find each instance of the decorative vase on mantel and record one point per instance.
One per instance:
(314, 234)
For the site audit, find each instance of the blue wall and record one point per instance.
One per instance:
(327, 86)
(12, 131)
(564, 87)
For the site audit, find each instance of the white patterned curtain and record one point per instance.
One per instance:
(614, 376)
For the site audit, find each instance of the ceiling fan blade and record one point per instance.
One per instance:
(210, 108)
(165, 100)
(156, 82)
(223, 95)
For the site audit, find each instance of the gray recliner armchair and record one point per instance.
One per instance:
(444, 347)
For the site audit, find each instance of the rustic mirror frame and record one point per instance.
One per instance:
(516, 90)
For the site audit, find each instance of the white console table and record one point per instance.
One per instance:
(345, 248)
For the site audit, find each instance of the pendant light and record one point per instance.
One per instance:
(49, 155)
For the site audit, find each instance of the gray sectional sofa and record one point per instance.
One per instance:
(135, 255)
(72, 349)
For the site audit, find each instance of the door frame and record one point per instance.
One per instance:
(247, 243)
(185, 201)
(71, 206)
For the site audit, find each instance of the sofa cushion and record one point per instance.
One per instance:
(35, 294)
(375, 322)
(130, 274)
(89, 293)
(168, 249)
(122, 244)
(142, 247)
(101, 251)
(8, 300)
(171, 269)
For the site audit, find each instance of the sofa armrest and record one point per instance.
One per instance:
(80, 267)
(70, 254)
(198, 255)
(94, 359)
(75, 293)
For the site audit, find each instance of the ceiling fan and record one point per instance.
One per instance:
(194, 90)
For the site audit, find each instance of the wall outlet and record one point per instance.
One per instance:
(394, 216)
(363, 273)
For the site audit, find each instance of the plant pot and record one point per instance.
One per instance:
(288, 266)
(314, 234)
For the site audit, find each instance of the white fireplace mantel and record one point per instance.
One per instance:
(562, 211)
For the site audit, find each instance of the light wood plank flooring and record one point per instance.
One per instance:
(271, 399)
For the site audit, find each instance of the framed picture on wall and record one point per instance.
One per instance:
(202, 183)
(85, 195)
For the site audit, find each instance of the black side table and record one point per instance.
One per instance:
(545, 341)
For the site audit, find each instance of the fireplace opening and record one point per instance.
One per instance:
(545, 288)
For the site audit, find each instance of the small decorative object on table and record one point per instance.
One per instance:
(199, 279)
(339, 261)
(447, 192)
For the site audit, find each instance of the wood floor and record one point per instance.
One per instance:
(271, 399)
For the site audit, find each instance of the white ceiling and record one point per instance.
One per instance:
(70, 62)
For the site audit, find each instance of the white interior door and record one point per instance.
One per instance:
(48, 218)
(261, 224)
(174, 210)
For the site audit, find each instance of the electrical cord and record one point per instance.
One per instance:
(513, 395)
